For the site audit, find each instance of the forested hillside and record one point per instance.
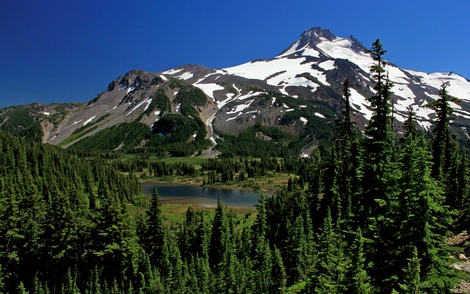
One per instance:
(371, 217)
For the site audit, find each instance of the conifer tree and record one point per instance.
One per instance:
(329, 275)
(278, 274)
(154, 242)
(358, 278)
(378, 171)
(340, 174)
(410, 123)
(21, 289)
(424, 219)
(442, 145)
(219, 238)
(412, 279)
(379, 178)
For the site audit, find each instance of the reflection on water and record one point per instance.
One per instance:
(201, 196)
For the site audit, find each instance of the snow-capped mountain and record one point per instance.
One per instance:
(310, 71)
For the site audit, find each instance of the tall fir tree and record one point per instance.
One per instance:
(154, 242)
(379, 180)
(443, 144)
(219, 238)
(340, 174)
(379, 176)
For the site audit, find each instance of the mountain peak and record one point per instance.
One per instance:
(312, 37)
(316, 35)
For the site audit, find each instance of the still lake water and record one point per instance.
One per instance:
(201, 196)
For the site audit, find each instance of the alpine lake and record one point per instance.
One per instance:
(201, 196)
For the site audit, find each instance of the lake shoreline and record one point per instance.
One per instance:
(254, 185)
(201, 196)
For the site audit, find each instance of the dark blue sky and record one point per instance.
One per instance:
(69, 51)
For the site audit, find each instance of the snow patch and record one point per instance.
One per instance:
(236, 88)
(186, 76)
(327, 65)
(139, 105)
(132, 88)
(290, 68)
(209, 89)
(319, 115)
(359, 100)
(304, 120)
(311, 52)
(291, 50)
(89, 120)
(172, 71)
(240, 108)
(148, 103)
(222, 103)
(341, 48)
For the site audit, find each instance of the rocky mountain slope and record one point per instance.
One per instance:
(294, 92)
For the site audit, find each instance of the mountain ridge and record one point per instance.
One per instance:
(307, 74)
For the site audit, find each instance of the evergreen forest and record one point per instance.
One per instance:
(372, 215)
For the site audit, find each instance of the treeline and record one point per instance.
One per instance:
(217, 170)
